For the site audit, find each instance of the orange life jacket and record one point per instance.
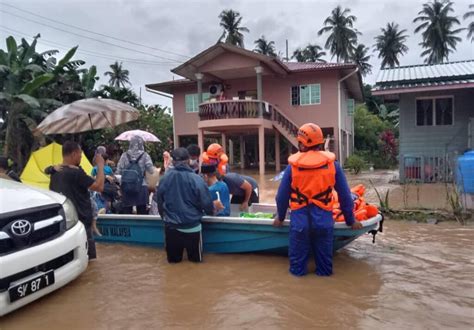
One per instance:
(362, 210)
(313, 176)
(221, 163)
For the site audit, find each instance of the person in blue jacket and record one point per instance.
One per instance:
(306, 187)
(183, 198)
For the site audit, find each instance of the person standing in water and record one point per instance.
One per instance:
(183, 198)
(306, 187)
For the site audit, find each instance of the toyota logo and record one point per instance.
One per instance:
(21, 228)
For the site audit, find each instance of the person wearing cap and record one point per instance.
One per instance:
(219, 190)
(183, 198)
(306, 187)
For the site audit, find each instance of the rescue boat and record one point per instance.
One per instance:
(232, 234)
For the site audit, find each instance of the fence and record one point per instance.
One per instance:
(428, 168)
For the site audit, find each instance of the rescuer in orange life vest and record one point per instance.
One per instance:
(214, 155)
(306, 187)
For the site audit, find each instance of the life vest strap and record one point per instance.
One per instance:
(324, 196)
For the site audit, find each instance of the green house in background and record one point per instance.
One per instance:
(436, 116)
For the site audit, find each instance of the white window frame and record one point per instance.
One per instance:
(309, 104)
(433, 100)
(195, 106)
(353, 107)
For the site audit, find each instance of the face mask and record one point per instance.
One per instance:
(193, 162)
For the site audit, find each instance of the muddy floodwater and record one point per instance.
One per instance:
(416, 276)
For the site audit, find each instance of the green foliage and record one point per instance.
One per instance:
(311, 53)
(265, 47)
(384, 202)
(438, 31)
(342, 34)
(361, 58)
(391, 44)
(233, 31)
(118, 77)
(375, 138)
(355, 163)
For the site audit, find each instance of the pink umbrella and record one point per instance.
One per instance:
(146, 136)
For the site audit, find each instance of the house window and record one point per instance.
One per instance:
(191, 101)
(350, 107)
(306, 94)
(437, 111)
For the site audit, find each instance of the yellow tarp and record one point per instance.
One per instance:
(50, 155)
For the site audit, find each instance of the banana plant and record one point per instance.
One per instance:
(23, 73)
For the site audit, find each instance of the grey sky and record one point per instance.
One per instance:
(188, 27)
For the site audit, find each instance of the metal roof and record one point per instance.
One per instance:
(426, 75)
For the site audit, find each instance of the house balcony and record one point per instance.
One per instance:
(245, 113)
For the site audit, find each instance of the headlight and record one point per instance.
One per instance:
(70, 214)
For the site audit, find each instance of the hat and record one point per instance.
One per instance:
(208, 169)
(180, 154)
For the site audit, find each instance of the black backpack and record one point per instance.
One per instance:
(132, 176)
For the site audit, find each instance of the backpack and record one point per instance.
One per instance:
(132, 176)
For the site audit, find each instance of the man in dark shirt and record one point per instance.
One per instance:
(244, 189)
(74, 183)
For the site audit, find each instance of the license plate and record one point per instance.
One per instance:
(31, 286)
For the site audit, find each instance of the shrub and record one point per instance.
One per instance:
(355, 163)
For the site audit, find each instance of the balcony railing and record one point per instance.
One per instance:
(230, 109)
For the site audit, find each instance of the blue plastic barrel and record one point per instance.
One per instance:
(465, 172)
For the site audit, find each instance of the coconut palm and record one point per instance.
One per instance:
(342, 34)
(299, 55)
(437, 30)
(391, 44)
(313, 53)
(118, 77)
(361, 58)
(470, 27)
(265, 47)
(233, 32)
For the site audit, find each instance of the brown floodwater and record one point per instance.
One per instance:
(416, 276)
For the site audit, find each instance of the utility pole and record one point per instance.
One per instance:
(287, 58)
(140, 98)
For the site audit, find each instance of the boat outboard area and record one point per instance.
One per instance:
(238, 233)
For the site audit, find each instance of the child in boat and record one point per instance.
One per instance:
(219, 190)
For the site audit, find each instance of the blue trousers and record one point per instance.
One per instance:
(311, 232)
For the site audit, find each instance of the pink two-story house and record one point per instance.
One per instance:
(253, 104)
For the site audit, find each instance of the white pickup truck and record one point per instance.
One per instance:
(43, 246)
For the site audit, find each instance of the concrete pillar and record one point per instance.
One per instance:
(242, 152)
(277, 151)
(231, 152)
(259, 70)
(201, 139)
(261, 149)
(224, 142)
(199, 77)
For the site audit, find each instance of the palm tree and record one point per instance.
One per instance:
(265, 47)
(470, 27)
(230, 22)
(299, 55)
(118, 77)
(361, 58)
(343, 36)
(391, 44)
(439, 38)
(313, 53)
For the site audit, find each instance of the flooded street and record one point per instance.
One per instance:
(416, 276)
